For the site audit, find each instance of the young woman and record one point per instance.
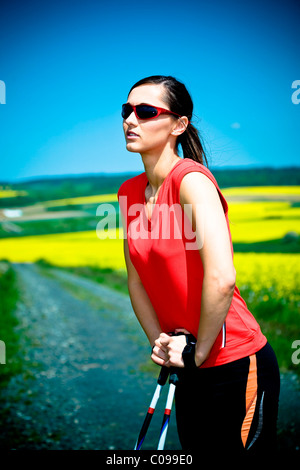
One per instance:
(181, 279)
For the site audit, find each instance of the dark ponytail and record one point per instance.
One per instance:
(191, 144)
(179, 101)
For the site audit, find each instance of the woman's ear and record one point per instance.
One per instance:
(180, 126)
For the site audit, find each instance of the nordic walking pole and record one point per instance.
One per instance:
(162, 378)
(166, 419)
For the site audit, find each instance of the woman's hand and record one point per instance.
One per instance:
(167, 350)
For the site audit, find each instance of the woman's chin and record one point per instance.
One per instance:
(132, 148)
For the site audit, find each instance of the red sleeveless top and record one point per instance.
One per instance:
(164, 252)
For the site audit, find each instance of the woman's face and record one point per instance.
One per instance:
(153, 135)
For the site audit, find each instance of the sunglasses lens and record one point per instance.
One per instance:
(143, 111)
(146, 112)
(126, 111)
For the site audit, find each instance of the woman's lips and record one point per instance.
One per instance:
(131, 135)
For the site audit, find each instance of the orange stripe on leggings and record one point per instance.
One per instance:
(251, 397)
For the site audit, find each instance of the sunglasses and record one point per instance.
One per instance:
(144, 111)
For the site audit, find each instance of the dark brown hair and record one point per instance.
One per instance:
(179, 101)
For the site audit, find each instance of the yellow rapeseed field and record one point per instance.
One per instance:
(260, 221)
(66, 249)
(11, 193)
(269, 275)
(250, 221)
(262, 190)
(72, 201)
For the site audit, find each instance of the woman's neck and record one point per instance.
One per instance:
(158, 167)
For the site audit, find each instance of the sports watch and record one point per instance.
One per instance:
(188, 353)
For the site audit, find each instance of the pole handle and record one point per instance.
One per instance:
(163, 375)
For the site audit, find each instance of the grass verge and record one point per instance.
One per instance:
(9, 295)
(116, 279)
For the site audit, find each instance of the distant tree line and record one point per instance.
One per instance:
(227, 178)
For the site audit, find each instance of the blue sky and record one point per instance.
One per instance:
(68, 67)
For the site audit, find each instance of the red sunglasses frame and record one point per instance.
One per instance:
(159, 111)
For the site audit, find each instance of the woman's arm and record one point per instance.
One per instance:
(201, 202)
(140, 301)
(208, 220)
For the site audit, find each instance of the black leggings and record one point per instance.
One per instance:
(211, 407)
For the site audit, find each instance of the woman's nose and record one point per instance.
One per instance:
(132, 119)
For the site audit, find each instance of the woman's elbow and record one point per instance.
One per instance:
(224, 281)
(227, 282)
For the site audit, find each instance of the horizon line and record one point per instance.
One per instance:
(22, 179)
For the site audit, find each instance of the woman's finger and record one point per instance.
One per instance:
(158, 360)
(158, 345)
(164, 339)
(159, 352)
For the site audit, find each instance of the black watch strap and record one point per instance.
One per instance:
(190, 338)
(188, 353)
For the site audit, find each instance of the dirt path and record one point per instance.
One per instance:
(88, 378)
(82, 387)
